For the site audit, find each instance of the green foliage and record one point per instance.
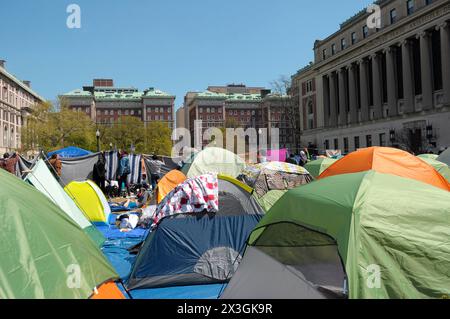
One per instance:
(49, 130)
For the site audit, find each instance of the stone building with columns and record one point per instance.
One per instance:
(17, 100)
(386, 86)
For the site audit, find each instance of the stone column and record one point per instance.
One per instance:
(426, 67)
(326, 100)
(364, 88)
(342, 98)
(392, 97)
(408, 77)
(445, 58)
(333, 100)
(377, 94)
(353, 99)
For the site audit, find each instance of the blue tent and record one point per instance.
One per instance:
(198, 249)
(70, 152)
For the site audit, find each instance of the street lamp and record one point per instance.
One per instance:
(97, 134)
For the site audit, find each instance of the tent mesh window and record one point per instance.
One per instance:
(310, 255)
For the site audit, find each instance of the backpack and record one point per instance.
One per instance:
(126, 166)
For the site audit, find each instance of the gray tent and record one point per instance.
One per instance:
(301, 270)
(445, 157)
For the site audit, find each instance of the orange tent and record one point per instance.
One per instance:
(389, 161)
(108, 290)
(168, 183)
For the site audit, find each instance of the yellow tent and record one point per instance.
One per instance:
(90, 199)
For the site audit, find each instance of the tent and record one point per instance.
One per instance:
(214, 160)
(316, 167)
(425, 156)
(197, 248)
(168, 183)
(70, 152)
(269, 176)
(442, 168)
(391, 246)
(90, 199)
(44, 181)
(445, 157)
(389, 161)
(269, 199)
(45, 254)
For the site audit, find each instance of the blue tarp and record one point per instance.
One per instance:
(184, 292)
(116, 250)
(70, 152)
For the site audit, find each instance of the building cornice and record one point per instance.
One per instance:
(21, 84)
(392, 33)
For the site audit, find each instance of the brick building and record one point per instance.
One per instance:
(105, 103)
(238, 106)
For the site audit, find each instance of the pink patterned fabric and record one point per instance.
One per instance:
(194, 195)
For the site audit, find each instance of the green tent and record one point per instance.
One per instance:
(442, 168)
(426, 156)
(391, 233)
(315, 168)
(44, 253)
(269, 199)
(214, 160)
(41, 178)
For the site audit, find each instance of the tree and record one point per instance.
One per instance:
(48, 130)
(158, 139)
(282, 88)
(127, 132)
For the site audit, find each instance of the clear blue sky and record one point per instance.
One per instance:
(174, 45)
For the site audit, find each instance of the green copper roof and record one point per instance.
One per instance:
(232, 97)
(99, 95)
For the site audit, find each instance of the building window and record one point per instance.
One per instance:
(324, 54)
(336, 144)
(365, 31)
(345, 145)
(357, 146)
(327, 144)
(382, 139)
(231, 112)
(393, 16)
(343, 44)
(369, 140)
(427, 2)
(131, 112)
(410, 7)
(208, 110)
(333, 49)
(310, 124)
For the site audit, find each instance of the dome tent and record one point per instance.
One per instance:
(445, 157)
(42, 243)
(70, 152)
(271, 180)
(90, 199)
(316, 167)
(442, 168)
(197, 248)
(214, 160)
(44, 181)
(389, 161)
(168, 183)
(294, 251)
